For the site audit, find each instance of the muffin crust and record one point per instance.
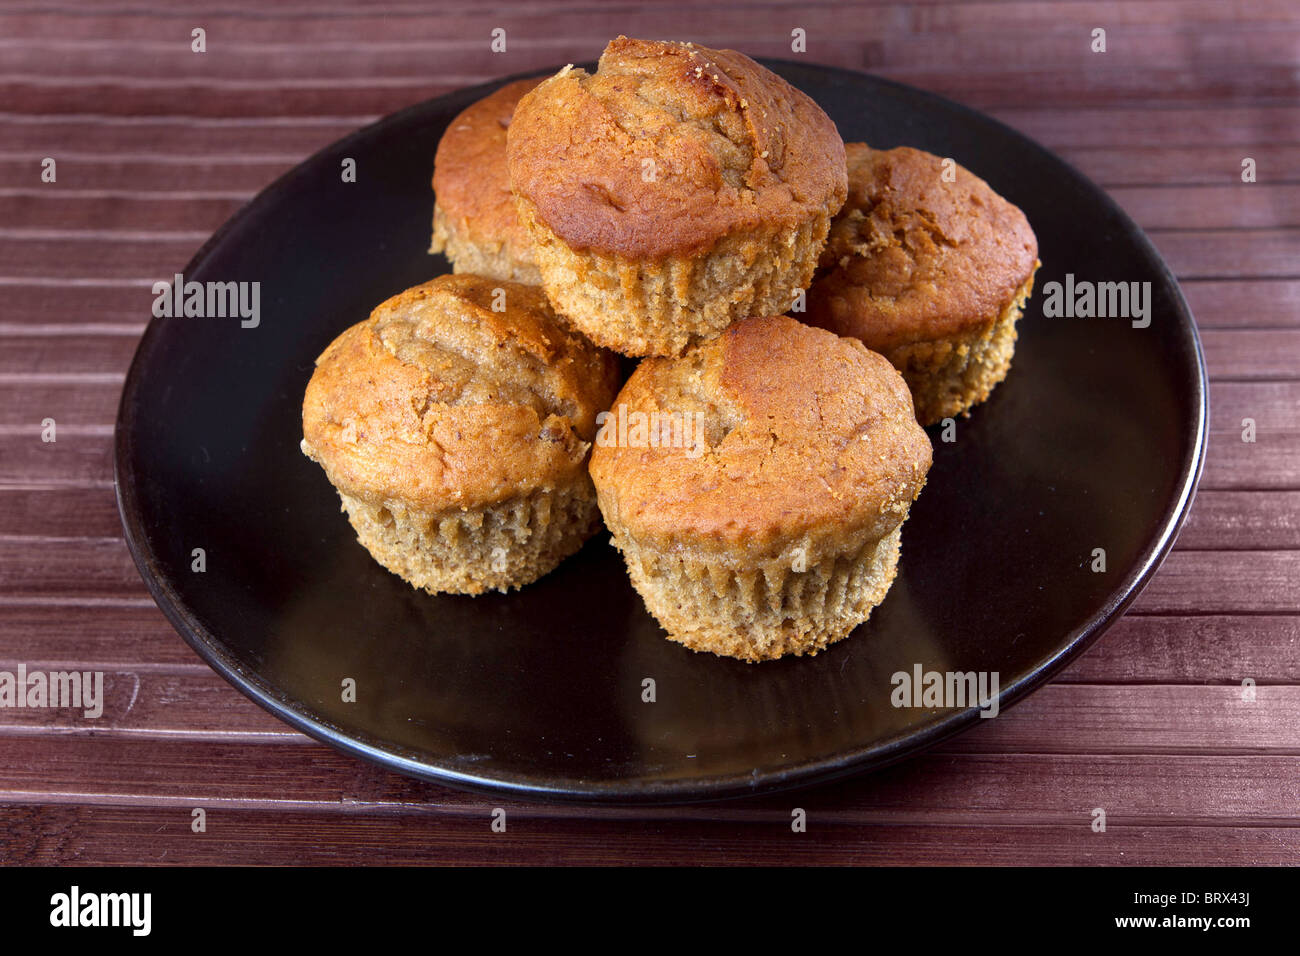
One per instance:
(779, 534)
(474, 220)
(673, 191)
(734, 148)
(923, 271)
(440, 418)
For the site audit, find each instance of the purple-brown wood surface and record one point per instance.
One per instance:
(157, 145)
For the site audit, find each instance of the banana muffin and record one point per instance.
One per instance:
(673, 191)
(455, 424)
(932, 274)
(474, 221)
(772, 526)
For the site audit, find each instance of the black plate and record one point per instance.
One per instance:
(1094, 441)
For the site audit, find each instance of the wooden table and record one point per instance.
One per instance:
(157, 145)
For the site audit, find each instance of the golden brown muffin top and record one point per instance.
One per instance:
(669, 146)
(911, 257)
(807, 437)
(441, 402)
(471, 183)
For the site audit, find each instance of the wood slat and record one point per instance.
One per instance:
(1065, 718)
(105, 256)
(195, 702)
(1107, 85)
(25, 461)
(59, 513)
(390, 9)
(1154, 132)
(1124, 130)
(1145, 649)
(1157, 125)
(1120, 86)
(1206, 648)
(1253, 354)
(1273, 464)
(69, 567)
(603, 22)
(582, 29)
(1255, 206)
(1209, 254)
(1242, 520)
(81, 349)
(68, 402)
(1274, 405)
(71, 210)
(968, 788)
(82, 138)
(1243, 303)
(114, 836)
(134, 637)
(158, 176)
(185, 9)
(1224, 581)
(1055, 17)
(874, 45)
(1184, 165)
(1137, 718)
(239, 98)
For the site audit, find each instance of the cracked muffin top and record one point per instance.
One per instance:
(667, 147)
(911, 257)
(794, 436)
(470, 181)
(440, 401)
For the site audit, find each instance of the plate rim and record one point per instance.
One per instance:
(634, 792)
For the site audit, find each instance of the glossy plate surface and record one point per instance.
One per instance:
(1095, 440)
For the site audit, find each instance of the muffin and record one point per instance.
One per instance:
(772, 526)
(474, 221)
(931, 274)
(673, 191)
(457, 436)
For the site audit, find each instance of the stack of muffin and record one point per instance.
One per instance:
(800, 310)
